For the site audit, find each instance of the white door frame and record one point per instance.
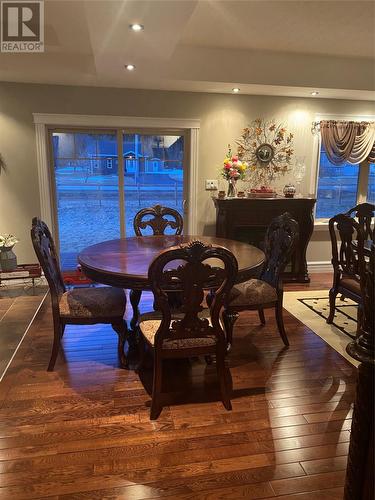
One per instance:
(43, 121)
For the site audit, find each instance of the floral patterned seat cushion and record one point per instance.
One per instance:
(251, 293)
(89, 303)
(149, 327)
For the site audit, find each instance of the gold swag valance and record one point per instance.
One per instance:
(348, 141)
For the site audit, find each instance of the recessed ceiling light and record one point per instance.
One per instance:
(130, 67)
(315, 92)
(136, 27)
(235, 90)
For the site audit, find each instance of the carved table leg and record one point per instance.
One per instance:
(122, 331)
(135, 297)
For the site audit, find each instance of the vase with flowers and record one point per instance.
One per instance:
(233, 169)
(8, 259)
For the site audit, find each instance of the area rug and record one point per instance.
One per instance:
(312, 309)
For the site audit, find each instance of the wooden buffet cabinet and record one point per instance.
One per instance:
(246, 219)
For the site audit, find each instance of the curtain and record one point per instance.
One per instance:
(351, 142)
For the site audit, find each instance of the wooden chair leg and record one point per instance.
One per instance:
(156, 405)
(221, 374)
(122, 332)
(280, 321)
(262, 319)
(229, 318)
(58, 330)
(141, 353)
(135, 297)
(332, 305)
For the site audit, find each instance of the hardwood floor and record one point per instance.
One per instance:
(17, 308)
(83, 431)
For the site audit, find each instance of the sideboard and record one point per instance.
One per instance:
(246, 219)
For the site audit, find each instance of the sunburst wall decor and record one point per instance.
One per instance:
(268, 149)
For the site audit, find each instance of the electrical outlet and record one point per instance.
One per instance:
(212, 184)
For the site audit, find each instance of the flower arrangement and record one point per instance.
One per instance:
(233, 167)
(268, 148)
(7, 240)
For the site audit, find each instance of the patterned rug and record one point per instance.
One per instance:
(312, 309)
(345, 318)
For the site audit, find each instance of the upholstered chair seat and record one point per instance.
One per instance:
(150, 322)
(103, 302)
(149, 329)
(252, 292)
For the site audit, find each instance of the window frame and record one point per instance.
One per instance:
(44, 121)
(363, 171)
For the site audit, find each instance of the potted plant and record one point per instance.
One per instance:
(8, 259)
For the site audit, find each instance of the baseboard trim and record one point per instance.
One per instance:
(319, 266)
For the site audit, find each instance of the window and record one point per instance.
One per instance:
(154, 173)
(341, 187)
(86, 191)
(371, 184)
(88, 186)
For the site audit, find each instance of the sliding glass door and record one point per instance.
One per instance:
(153, 173)
(102, 178)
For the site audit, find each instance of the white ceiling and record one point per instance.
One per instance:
(273, 47)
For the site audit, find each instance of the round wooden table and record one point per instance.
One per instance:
(124, 262)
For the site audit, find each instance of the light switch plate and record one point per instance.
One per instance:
(212, 184)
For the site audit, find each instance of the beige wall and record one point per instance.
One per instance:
(222, 118)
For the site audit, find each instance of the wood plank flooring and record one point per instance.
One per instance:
(83, 431)
(17, 308)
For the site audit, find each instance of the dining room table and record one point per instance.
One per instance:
(124, 262)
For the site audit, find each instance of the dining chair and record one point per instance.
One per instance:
(343, 231)
(190, 334)
(364, 213)
(158, 219)
(79, 306)
(267, 290)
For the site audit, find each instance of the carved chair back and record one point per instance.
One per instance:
(347, 250)
(45, 250)
(280, 240)
(364, 213)
(155, 218)
(186, 269)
